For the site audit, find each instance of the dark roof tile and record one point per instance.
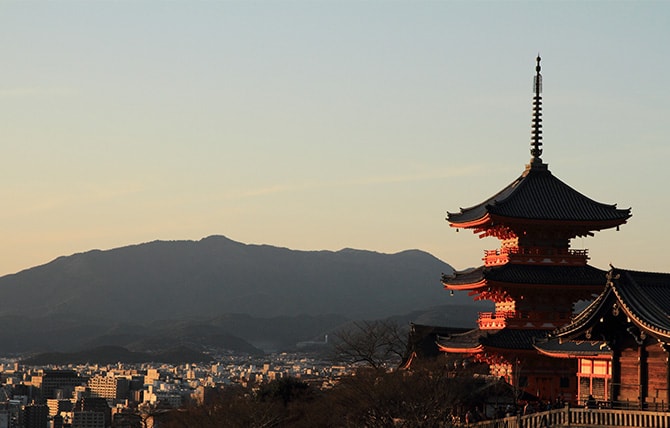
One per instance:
(508, 338)
(503, 339)
(646, 295)
(643, 296)
(538, 195)
(530, 274)
(578, 347)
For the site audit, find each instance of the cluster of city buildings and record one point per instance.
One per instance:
(130, 396)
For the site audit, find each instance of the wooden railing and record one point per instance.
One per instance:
(580, 417)
(500, 319)
(488, 320)
(503, 255)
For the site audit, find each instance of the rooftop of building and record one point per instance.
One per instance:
(642, 298)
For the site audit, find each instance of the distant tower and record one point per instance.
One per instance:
(535, 277)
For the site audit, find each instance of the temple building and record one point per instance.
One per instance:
(621, 342)
(534, 278)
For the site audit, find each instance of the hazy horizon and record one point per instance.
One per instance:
(323, 125)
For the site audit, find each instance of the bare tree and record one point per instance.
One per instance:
(372, 343)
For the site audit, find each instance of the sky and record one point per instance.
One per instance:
(322, 125)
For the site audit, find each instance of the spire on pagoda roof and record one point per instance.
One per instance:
(537, 195)
(536, 128)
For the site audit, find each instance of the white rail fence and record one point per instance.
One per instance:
(579, 417)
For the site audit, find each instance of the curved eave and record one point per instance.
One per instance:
(660, 333)
(490, 219)
(654, 330)
(557, 222)
(479, 289)
(591, 315)
(471, 224)
(465, 287)
(573, 355)
(584, 319)
(456, 350)
(512, 275)
(406, 364)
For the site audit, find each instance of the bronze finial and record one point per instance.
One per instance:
(536, 134)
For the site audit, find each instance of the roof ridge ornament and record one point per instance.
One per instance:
(536, 133)
(612, 276)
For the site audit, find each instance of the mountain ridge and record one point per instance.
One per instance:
(167, 279)
(217, 293)
(110, 354)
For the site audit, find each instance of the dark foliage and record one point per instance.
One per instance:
(433, 395)
(285, 389)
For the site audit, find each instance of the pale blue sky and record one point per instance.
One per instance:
(323, 124)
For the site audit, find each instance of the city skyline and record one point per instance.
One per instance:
(323, 125)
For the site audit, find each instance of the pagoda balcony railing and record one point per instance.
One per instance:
(500, 319)
(490, 320)
(537, 254)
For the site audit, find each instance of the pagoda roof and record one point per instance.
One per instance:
(538, 195)
(477, 340)
(644, 297)
(573, 349)
(466, 342)
(570, 275)
(422, 341)
(509, 338)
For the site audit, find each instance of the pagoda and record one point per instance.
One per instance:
(535, 278)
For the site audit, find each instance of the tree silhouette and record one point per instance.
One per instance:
(375, 344)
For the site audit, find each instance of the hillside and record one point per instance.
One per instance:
(213, 276)
(217, 294)
(114, 354)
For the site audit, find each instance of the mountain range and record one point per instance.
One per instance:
(212, 291)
